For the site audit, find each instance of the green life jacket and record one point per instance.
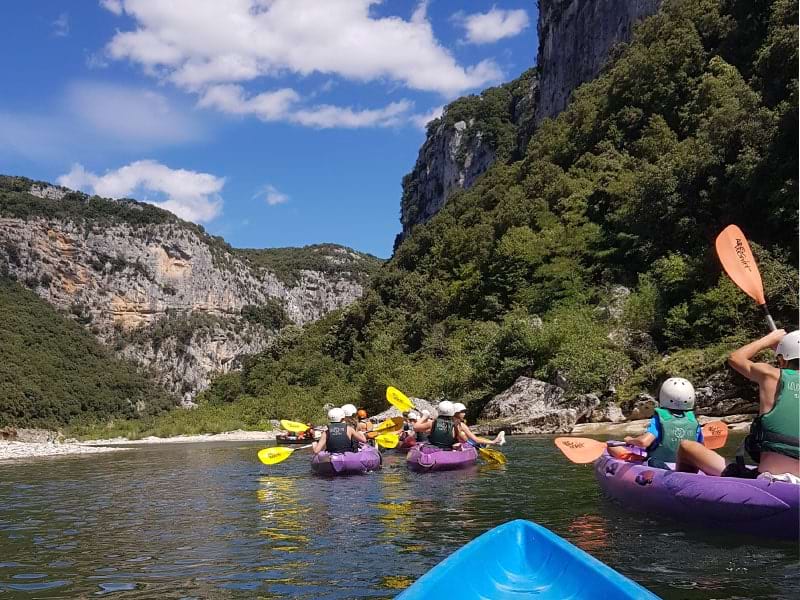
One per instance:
(442, 433)
(675, 427)
(779, 429)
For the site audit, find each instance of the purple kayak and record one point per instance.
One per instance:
(426, 457)
(347, 463)
(756, 506)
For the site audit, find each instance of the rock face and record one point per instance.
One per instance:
(726, 393)
(161, 292)
(575, 38)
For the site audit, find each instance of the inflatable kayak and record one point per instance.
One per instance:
(758, 506)
(347, 463)
(426, 457)
(523, 560)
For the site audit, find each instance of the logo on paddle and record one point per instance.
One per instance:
(741, 252)
(715, 430)
(573, 445)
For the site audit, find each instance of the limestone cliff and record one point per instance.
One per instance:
(160, 290)
(575, 38)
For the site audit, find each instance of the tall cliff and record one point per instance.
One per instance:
(575, 39)
(159, 290)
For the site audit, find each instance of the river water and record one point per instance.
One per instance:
(209, 521)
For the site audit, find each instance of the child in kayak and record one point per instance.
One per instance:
(465, 435)
(364, 423)
(673, 422)
(774, 438)
(339, 437)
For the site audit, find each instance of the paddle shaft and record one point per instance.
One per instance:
(768, 317)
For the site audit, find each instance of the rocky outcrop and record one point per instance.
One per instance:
(157, 289)
(726, 393)
(391, 412)
(575, 38)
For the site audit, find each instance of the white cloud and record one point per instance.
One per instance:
(190, 195)
(61, 25)
(200, 43)
(282, 105)
(115, 6)
(271, 195)
(488, 27)
(422, 120)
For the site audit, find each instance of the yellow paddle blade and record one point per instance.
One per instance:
(715, 434)
(271, 456)
(388, 440)
(398, 399)
(293, 426)
(493, 455)
(393, 424)
(580, 450)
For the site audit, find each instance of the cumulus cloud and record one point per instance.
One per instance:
(61, 25)
(190, 195)
(488, 27)
(422, 120)
(201, 43)
(271, 195)
(283, 105)
(115, 6)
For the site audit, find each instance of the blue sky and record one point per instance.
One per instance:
(270, 122)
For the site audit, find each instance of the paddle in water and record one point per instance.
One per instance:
(739, 263)
(586, 450)
(493, 455)
(272, 456)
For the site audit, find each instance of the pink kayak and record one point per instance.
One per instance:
(758, 506)
(426, 457)
(347, 463)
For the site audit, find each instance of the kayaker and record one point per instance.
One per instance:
(774, 438)
(409, 419)
(339, 437)
(465, 435)
(441, 431)
(673, 422)
(350, 415)
(364, 423)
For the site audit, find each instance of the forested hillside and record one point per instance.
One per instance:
(53, 371)
(691, 127)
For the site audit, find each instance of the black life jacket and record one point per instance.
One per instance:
(442, 433)
(337, 441)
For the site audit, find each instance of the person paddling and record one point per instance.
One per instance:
(774, 438)
(339, 437)
(465, 435)
(441, 431)
(364, 424)
(673, 422)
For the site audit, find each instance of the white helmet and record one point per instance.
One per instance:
(349, 410)
(413, 416)
(445, 408)
(336, 415)
(676, 393)
(458, 407)
(789, 346)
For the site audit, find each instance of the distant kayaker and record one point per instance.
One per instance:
(411, 417)
(774, 438)
(340, 437)
(673, 422)
(350, 415)
(465, 435)
(364, 423)
(441, 431)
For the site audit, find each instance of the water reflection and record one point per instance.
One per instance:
(589, 533)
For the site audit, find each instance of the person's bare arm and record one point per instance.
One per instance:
(358, 435)
(477, 439)
(319, 445)
(423, 426)
(642, 441)
(741, 359)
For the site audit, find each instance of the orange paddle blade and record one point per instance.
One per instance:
(739, 263)
(715, 434)
(580, 450)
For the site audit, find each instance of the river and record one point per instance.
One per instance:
(209, 521)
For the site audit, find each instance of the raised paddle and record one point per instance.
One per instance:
(739, 263)
(399, 400)
(293, 426)
(393, 424)
(272, 456)
(586, 450)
